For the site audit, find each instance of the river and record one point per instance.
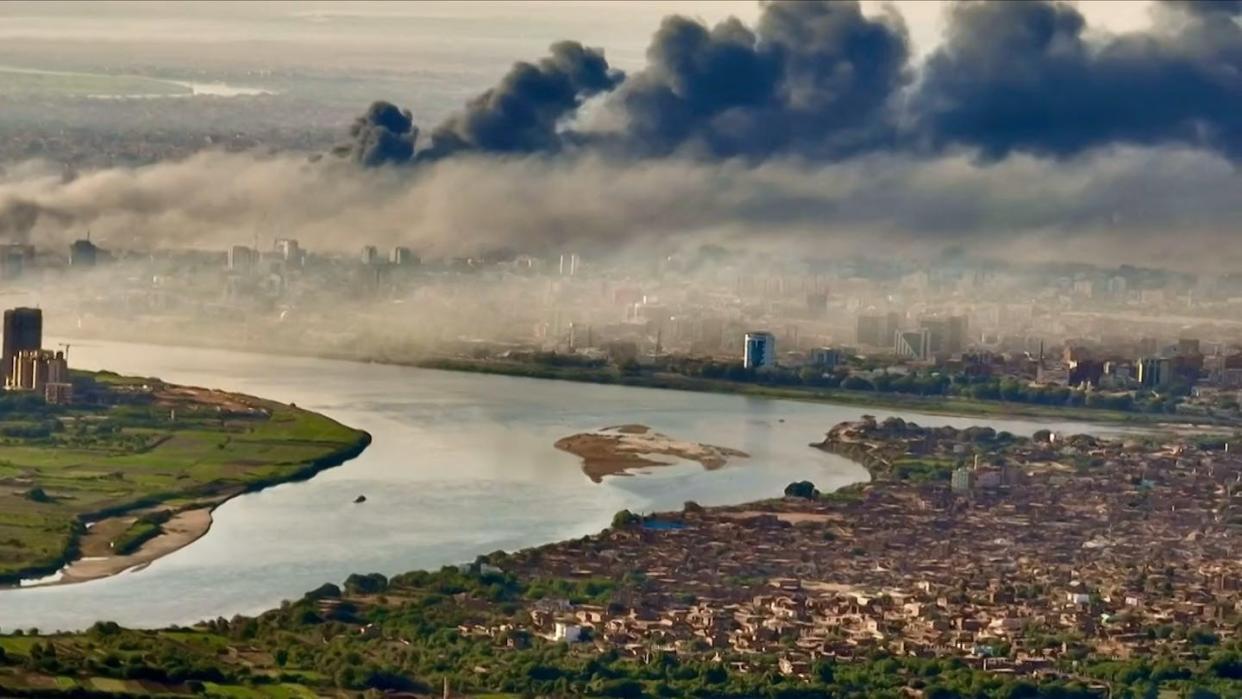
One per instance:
(461, 465)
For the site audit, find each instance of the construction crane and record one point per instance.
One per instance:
(66, 346)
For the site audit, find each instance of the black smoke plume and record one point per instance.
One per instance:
(385, 134)
(815, 78)
(821, 81)
(1022, 76)
(522, 113)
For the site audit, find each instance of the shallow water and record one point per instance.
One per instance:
(461, 465)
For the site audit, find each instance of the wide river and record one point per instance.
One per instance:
(461, 465)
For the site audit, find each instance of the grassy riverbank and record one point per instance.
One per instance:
(941, 405)
(143, 447)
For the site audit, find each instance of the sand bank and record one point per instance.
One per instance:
(613, 451)
(98, 561)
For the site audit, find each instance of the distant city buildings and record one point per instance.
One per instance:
(569, 264)
(289, 252)
(877, 330)
(370, 255)
(760, 350)
(1154, 372)
(34, 369)
(13, 260)
(28, 367)
(83, 253)
(242, 259)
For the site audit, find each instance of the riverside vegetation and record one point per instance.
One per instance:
(928, 390)
(145, 449)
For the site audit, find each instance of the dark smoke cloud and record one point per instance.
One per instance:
(816, 78)
(820, 80)
(1217, 8)
(385, 134)
(1022, 76)
(522, 113)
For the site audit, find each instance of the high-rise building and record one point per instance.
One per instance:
(23, 331)
(243, 259)
(1154, 371)
(13, 259)
(957, 334)
(892, 323)
(370, 255)
(913, 344)
(402, 256)
(33, 370)
(870, 331)
(289, 251)
(569, 264)
(1188, 346)
(937, 334)
(83, 253)
(759, 351)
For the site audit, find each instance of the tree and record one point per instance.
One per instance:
(369, 584)
(801, 489)
(623, 519)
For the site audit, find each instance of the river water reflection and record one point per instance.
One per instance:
(461, 464)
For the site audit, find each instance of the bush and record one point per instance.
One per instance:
(623, 519)
(324, 591)
(37, 495)
(369, 584)
(801, 489)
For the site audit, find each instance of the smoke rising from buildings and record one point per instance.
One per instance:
(822, 81)
(521, 114)
(471, 204)
(811, 129)
(815, 79)
(384, 135)
(1018, 76)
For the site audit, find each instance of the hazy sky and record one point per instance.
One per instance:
(522, 29)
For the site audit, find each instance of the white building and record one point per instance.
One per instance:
(913, 344)
(569, 633)
(289, 251)
(760, 350)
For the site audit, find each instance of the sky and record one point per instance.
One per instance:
(621, 28)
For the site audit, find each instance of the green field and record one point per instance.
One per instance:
(82, 463)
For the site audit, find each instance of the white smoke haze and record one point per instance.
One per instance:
(1123, 205)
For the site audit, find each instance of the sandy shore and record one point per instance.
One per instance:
(613, 451)
(98, 561)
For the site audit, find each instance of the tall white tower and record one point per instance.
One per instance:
(760, 350)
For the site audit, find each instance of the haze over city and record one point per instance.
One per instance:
(714, 349)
